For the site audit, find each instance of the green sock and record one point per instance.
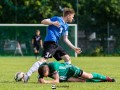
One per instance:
(98, 76)
(93, 80)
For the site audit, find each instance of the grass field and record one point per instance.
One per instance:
(109, 66)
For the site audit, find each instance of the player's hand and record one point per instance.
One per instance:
(42, 81)
(78, 50)
(56, 23)
(42, 47)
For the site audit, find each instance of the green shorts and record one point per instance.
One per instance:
(77, 71)
(74, 72)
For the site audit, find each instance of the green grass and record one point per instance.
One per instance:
(109, 66)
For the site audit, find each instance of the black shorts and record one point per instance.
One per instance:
(36, 47)
(51, 49)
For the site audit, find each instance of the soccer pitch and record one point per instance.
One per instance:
(109, 66)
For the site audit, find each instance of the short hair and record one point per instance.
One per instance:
(42, 70)
(37, 30)
(68, 11)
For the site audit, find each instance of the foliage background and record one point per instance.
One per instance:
(91, 16)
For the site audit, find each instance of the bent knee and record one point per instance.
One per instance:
(89, 76)
(66, 57)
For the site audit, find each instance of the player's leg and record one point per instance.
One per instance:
(90, 77)
(74, 79)
(35, 52)
(94, 80)
(61, 54)
(96, 76)
(66, 58)
(34, 68)
(46, 54)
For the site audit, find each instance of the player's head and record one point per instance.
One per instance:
(43, 70)
(38, 32)
(68, 14)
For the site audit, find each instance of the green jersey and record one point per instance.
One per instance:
(64, 70)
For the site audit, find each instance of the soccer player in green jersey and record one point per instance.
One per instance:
(67, 72)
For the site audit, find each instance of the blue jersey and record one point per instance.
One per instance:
(54, 33)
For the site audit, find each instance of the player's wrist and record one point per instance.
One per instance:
(52, 23)
(74, 48)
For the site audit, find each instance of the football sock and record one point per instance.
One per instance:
(94, 80)
(100, 80)
(34, 68)
(99, 76)
(110, 79)
(68, 62)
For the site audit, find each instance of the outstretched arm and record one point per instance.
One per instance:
(67, 41)
(55, 80)
(41, 43)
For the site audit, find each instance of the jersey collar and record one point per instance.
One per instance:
(63, 20)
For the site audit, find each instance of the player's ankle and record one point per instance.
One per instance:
(26, 78)
(110, 79)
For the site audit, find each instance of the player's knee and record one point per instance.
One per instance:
(89, 76)
(35, 51)
(67, 58)
(43, 60)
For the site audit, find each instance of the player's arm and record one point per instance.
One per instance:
(32, 41)
(67, 41)
(55, 79)
(41, 43)
(49, 22)
(73, 79)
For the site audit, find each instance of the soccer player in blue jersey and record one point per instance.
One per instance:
(57, 27)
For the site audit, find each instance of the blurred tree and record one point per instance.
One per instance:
(92, 15)
(30, 11)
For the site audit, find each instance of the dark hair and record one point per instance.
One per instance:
(68, 11)
(42, 70)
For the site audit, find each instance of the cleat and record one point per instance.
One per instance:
(113, 80)
(110, 79)
(25, 78)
